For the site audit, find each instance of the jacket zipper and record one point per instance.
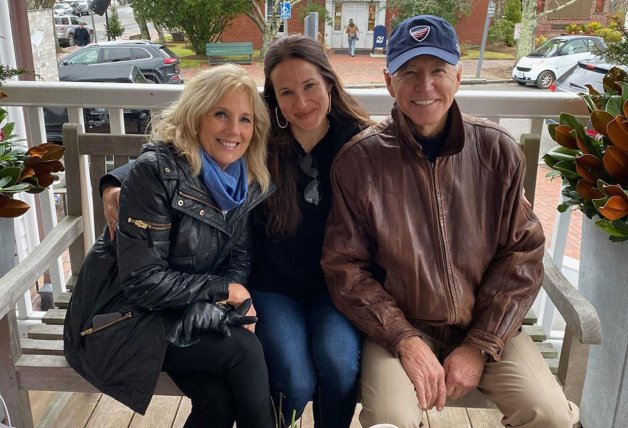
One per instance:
(224, 216)
(90, 330)
(148, 226)
(441, 242)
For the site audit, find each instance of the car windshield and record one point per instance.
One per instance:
(548, 48)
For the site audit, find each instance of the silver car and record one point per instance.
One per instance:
(65, 26)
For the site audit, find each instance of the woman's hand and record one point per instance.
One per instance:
(111, 205)
(237, 295)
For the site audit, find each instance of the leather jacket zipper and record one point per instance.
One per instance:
(194, 198)
(148, 226)
(91, 330)
(441, 242)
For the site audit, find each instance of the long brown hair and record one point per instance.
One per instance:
(282, 209)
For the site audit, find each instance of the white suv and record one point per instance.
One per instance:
(554, 57)
(65, 26)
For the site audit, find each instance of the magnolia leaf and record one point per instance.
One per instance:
(612, 189)
(616, 164)
(600, 120)
(589, 167)
(13, 208)
(588, 191)
(551, 128)
(572, 122)
(28, 172)
(53, 151)
(567, 169)
(613, 208)
(20, 187)
(618, 132)
(565, 138)
(613, 228)
(13, 172)
(588, 100)
(614, 105)
(4, 181)
(36, 151)
(624, 97)
(8, 130)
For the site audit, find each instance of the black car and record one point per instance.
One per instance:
(157, 63)
(590, 71)
(97, 119)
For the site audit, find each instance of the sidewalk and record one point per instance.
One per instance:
(363, 70)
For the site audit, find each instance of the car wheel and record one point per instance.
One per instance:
(545, 79)
(521, 83)
(71, 39)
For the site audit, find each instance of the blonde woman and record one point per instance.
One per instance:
(183, 256)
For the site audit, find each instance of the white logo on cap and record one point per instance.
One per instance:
(420, 32)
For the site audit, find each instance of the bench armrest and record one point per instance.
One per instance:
(580, 315)
(22, 277)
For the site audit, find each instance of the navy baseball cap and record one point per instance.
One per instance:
(422, 35)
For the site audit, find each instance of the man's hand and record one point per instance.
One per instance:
(463, 371)
(111, 204)
(237, 295)
(425, 372)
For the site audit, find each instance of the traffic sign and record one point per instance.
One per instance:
(286, 10)
(491, 9)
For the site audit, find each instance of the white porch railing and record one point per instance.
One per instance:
(532, 107)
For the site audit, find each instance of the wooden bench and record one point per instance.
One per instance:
(236, 52)
(37, 362)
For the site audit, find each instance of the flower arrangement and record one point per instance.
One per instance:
(593, 161)
(23, 170)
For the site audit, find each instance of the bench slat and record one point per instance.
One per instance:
(224, 52)
(42, 347)
(46, 332)
(54, 316)
(52, 373)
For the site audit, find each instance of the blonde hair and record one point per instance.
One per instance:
(180, 122)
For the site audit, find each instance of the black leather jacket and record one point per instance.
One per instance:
(174, 246)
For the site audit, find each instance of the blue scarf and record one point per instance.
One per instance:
(228, 187)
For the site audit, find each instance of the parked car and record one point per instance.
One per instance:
(62, 9)
(158, 63)
(97, 119)
(79, 7)
(554, 57)
(65, 26)
(590, 71)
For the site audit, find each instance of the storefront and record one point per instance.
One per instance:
(366, 15)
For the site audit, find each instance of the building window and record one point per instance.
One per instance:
(372, 11)
(540, 5)
(599, 6)
(338, 16)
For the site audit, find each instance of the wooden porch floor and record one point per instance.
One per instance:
(82, 410)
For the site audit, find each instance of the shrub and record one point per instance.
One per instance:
(573, 28)
(591, 27)
(539, 40)
(609, 35)
(502, 32)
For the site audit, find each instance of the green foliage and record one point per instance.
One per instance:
(502, 32)
(114, 25)
(202, 21)
(323, 15)
(609, 35)
(573, 28)
(450, 10)
(512, 11)
(617, 52)
(591, 27)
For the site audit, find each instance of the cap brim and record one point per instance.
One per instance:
(396, 63)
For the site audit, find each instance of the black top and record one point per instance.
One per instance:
(291, 266)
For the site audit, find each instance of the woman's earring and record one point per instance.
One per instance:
(285, 125)
(329, 108)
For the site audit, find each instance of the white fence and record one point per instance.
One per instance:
(531, 107)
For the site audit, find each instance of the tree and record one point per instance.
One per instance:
(617, 52)
(529, 18)
(268, 26)
(141, 22)
(449, 10)
(201, 20)
(114, 25)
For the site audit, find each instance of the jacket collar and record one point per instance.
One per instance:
(454, 140)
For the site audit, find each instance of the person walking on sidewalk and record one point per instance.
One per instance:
(81, 35)
(353, 35)
(432, 250)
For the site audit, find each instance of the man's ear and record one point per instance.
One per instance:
(389, 85)
(458, 75)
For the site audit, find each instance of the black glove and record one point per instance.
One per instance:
(236, 316)
(197, 317)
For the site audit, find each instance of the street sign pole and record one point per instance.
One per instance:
(489, 14)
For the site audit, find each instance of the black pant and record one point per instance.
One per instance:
(226, 379)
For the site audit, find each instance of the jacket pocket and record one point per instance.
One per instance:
(149, 226)
(104, 321)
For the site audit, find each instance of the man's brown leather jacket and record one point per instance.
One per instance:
(449, 249)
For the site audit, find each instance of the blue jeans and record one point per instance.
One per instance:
(352, 41)
(313, 353)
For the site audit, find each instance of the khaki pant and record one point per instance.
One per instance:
(521, 385)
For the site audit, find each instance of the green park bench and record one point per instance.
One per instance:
(236, 52)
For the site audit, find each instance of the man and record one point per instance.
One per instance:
(81, 35)
(433, 251)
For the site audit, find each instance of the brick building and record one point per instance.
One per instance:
(368, 14)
